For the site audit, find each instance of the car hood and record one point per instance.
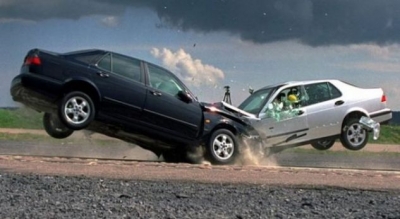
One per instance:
(227, 109)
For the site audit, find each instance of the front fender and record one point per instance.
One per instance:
(214, 121)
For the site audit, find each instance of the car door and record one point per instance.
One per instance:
(326, 109)
(120, 80)
(284, 122)
(165, 111)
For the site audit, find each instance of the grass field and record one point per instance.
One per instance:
(29, 119)
(21, 118)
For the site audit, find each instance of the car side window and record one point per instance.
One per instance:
(163, 80)
(334, 92)
(88, 58)
(285, 104)
(321, 92)
(105, 63)
(126, 67)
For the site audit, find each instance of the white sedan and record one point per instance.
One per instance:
(315, 112)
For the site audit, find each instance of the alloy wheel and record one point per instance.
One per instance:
(77, 110)
(356, 134)
(223, 146)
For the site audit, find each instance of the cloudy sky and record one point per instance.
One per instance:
(213, 43)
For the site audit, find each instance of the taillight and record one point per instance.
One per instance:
(32, 60)
(383, 99)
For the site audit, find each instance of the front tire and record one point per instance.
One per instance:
(76, 110)
(223, 147)
(54, 127)
(324, 144)
(354, 137)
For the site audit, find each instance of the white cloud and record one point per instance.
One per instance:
(191, 70)
(110, 21)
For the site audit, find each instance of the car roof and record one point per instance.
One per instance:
(97, 51)
(84, 51)
(102, 51)
(294, 83)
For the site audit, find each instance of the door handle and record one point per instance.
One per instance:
(155, 93)
(300, 112)
(339, 102)
(103, 75)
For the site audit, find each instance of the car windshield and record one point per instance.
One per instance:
(254, 103)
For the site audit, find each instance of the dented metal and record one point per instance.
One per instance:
(371, 125)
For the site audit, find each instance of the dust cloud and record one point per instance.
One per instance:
(255, 155)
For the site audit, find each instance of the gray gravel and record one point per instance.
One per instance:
(36, 196)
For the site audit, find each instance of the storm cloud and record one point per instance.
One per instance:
(311, 22)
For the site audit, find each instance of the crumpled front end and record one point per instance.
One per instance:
(221, 114)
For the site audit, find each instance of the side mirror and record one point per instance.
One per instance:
(184, 96)
(251, 90)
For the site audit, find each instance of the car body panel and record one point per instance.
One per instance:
(323, 105)
(129, 106)
(179, 118)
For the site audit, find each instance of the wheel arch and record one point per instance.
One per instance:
(206, 136)
(227, 126)
(83, 85)
(357, 114)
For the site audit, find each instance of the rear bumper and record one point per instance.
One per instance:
(381, 116)
(33, 95)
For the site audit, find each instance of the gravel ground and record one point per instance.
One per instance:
(68, 188)
(41, 196)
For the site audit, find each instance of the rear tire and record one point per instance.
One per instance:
(323, 144)
(54, 127)
(223, 147)
(76, 110)
(354, 137)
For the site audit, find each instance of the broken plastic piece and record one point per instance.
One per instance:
(371, 125)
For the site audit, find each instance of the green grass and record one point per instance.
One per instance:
(390, 134)
(26, 118)
(361, 153)
(37, 138)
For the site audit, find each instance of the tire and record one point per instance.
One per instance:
(76, 110)
(354, 137)
(323, 144)
(223, 147)
(54, 127)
